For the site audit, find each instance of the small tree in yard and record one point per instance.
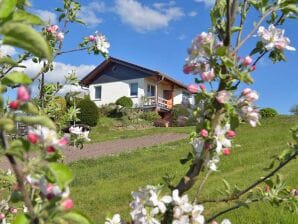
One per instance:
(88, 112)
(124, 101)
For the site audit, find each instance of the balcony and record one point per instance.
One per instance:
(157, 102)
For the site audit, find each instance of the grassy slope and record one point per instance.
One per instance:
(104, 132)
(104, 185)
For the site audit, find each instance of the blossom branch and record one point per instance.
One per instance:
(256, 183)
(227, 39)
(239, 205)
(243, 17)
(254, 29)
(202, 185)
(19, 176)
(70, 51)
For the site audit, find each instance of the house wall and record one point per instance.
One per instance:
(111, 91)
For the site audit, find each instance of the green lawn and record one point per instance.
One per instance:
(104, 185)
(107, 130)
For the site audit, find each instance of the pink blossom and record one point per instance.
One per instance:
(55, 28)
(60, 36)
(223, 96)
(226, 151)
(246, 91)
(23, 94)
(91, 38)
(14, 104)
(208, 76)
(67, 204)
(2, 216)
(247, 60)
(13, 210)
(294, 192)
(193, 88)
(252, 96)
(204, 133)
(202, 87)
(252, 68)
(52, 29)
(63, 141)
(214, 222)
(50, 149)
(33, 138)
(231, 134)
(187, 69)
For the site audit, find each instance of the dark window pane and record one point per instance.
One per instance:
(134, 89)
(98, 92)
(152, 90)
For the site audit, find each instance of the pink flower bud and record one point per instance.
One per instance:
(2, 216)
(230, 134)
(214, 222)
(246, 91)
(187, 69)
(223, 96)
(23, 94)
(60, 36)
(202, 87)
(14, 105)
(253, 68)
(50, 149)
(13, 210)
(208, 76)
(252, 96)
(294, 192)
(91, 38)
(63, 141)
(226, 151)
(267, 188)
(247, 60)
(55, 28)
(32, 138)
(204, 133)
(67, 204)
(193, 88)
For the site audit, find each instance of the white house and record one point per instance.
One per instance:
(115, 78)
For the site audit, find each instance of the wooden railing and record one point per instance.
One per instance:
(161, 102)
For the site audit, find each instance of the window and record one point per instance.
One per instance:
(134, 89)
(150, 90)
(97, 92)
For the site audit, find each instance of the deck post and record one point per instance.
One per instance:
(156, 96)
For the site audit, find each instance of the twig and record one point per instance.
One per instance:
(202, 185)
(19, 176)
(70, 51)
(244, 9)
(239, 194)
(227, 39)
(228, 210)
(254, 30)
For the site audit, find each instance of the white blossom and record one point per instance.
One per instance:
(226, 221)
(115, 220)
(101, 43)
(221, 139)
(211, 164)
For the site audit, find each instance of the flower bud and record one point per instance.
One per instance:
(187, 69)
(14, 105)
(55, 28)
(202, 87)
(223, 96)
(67, 204)
(193, 88)
(208, 76)
(204, 133)
(267, 188)
(13, 210)
(226, 151)
(294, 192)
(252, 68)
(252, 96)
(50, 149)
(23, 94)
(230, 134)
(247, 61)
(32, 138)
(246, 91)
(214, 222)
(91, 38)
(2, 216)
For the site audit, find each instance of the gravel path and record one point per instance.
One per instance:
(100, 149)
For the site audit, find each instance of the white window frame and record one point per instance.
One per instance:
(150, 87)
(130, 84)
(98, 86)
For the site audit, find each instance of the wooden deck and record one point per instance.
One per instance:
(158, 102)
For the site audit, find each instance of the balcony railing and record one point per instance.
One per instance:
(161, 102)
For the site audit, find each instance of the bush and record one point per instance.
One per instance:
(294, 109)
(150, 116)
(124, 101)
(88, 112)
(161, 123)
(179, 111)
(268, 112)
(107, 110)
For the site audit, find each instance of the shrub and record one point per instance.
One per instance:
(161, 123)
(88, 112)
(150, 116)
(268, 112)
(107, 110)
(294, 109)
(179, 111)
(124, 101)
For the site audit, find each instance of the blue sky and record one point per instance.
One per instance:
(156, 33)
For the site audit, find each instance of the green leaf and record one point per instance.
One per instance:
(9, 61)
(62, 16)
(221, 51)
(21, 219)
(25, 37)
(23, 16)
(62, 174)
(76, 218)
(29, 108)
(236, 29)
(80, 21)
(292, 8)
(59, 10)
(15, 78)
(6, 124)
(6, 8)
(35, 120)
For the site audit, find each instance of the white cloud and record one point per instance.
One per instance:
(143, 18)
(192, 14)
(207, 2)
(47, 16)
(90, 13)
(59, 72)
(7, 50)
(182, 37)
